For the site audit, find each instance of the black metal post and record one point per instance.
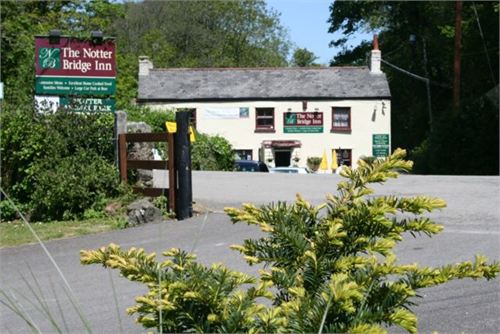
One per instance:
(184, 197)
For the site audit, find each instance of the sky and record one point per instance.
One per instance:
(306, 21)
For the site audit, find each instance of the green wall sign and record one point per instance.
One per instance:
(380, 139)
(380, 145)
(303, 122)
(380, 151)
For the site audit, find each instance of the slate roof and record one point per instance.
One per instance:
(262, 83)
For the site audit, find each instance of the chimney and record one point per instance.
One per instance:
(375, 57)
(144, 65)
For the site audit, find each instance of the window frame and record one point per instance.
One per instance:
(265, 128)
(347, 128)
(244, 151)
(340, 160)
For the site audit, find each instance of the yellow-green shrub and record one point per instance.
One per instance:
(329, 268)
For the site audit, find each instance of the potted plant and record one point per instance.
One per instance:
(313, 163)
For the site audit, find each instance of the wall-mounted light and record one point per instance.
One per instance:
(304, 105)
(54, 36)
(96, 37)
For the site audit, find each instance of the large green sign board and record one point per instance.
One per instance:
(67, 66)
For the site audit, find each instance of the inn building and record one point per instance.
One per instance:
(281, 116)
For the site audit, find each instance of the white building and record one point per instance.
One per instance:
(281, 116)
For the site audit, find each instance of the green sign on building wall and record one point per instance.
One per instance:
(303, 122)
(380, 145)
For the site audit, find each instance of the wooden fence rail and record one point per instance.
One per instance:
(126, 164)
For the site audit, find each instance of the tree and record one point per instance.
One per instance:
(303, 58)
(431, 24)
(198, 34)
(356, 57)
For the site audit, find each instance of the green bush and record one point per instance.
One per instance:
(35, 147)
(7, 211)
(212, 153)
(66, 189)
(329, 268)
(154, 118)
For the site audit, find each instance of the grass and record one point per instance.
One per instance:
(16, 233)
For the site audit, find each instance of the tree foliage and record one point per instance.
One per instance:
(303, 58)
(431, 55)
(329, 268)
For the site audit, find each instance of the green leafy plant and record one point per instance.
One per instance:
(327, 268)
(212, 153)
(161, 202)
(313, 163)
(154, 118)
(66, 190)
(58, 164)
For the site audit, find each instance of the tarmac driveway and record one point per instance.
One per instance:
(472, 225)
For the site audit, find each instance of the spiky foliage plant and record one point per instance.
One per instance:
(331, 268)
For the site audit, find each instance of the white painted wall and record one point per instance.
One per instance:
(368, 117)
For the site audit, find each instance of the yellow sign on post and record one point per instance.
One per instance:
(172, 128)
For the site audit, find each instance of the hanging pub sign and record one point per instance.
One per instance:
(303, 122)
(70, 66)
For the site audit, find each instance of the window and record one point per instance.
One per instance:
(264, 119)
(344, 156)
(341, 119)
(243, 154)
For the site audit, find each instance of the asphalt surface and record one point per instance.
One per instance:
(471, 220)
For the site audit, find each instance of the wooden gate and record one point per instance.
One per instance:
(126, 164)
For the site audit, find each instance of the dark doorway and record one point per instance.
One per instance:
(282, 157)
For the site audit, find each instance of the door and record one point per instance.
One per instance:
(282, 158)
